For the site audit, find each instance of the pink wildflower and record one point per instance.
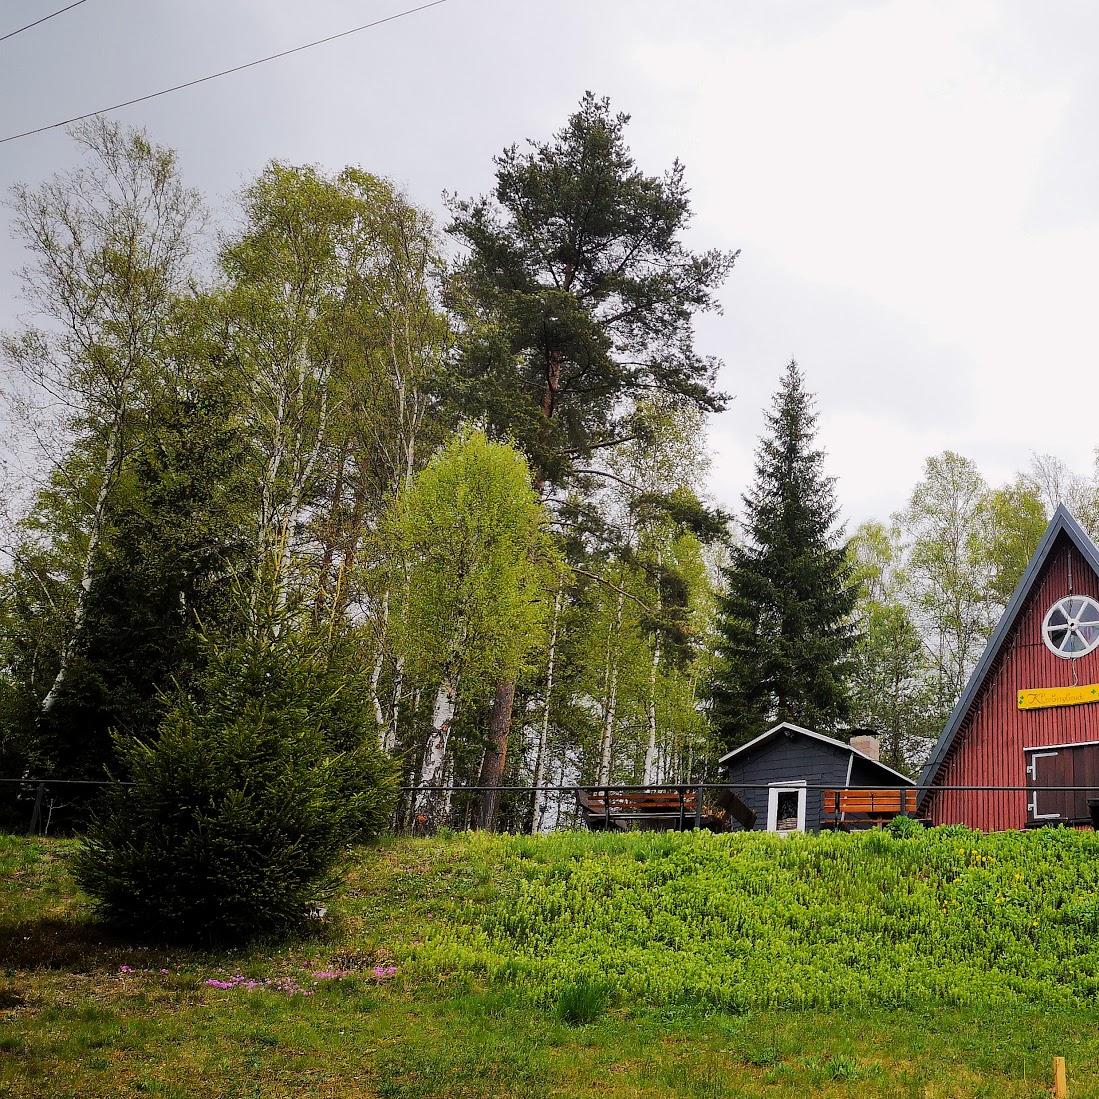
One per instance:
(125, 969)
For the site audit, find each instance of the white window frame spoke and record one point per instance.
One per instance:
(1072, 609)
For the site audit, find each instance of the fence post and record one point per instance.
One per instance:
(1060, 1084)
(607, 807)
(682, 806)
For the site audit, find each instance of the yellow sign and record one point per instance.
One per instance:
(1041, 698)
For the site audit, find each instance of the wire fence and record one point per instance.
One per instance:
(40, 806)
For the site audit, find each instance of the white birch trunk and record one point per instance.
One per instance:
(95, 536)
(376, 675)
(395, 711)
(610, 712)
(543, 733)
(432, 803)
(650, 777)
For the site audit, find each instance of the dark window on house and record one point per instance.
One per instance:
(786, 819)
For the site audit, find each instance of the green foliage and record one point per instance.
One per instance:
(582, 1002)
(476, 563)
(891, 690)
(580, 292)
(239, 814)
(931, 587)
(108, 248)
(947, 570)
(904, 827)
(1016, 519)
(895, 918)
(176, 538)
(786, 626)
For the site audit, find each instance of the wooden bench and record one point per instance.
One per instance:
(865, 807)
(604, 809)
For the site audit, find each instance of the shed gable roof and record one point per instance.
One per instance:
(1062, 523)
(789, 726)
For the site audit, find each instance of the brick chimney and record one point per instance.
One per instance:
(866, 742)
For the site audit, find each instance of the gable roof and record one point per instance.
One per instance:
(841, 744)
(1063, 522)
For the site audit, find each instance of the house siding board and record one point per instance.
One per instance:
(988, 748)
(788, 758)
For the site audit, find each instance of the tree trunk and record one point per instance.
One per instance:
(492, 766)
(610, 708)
(432, 804)
(650, 776)
(376, 675)
(543, 735)
(328, 542)
(110, 463)
(390, 741)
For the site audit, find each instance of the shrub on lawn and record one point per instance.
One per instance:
(904, 827)
(582, 1002)
(240, 812)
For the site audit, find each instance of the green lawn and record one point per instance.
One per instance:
(697, 945)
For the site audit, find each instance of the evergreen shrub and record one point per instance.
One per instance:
(240, 812)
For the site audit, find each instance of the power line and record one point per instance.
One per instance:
(224, 72)
(60, 11)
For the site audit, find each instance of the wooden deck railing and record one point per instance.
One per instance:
(677, 808)
(865, 806)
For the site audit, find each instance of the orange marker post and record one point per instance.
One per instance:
(1060, 1085)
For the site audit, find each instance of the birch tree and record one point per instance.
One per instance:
(287, 300)
(893, 686)
(470, 535)
(110, 246)
(947, 570)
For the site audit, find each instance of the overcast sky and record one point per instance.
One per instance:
(914, 186)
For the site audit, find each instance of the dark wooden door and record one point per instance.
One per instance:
(1048, 767)
(1085, 772)
(1075, 765)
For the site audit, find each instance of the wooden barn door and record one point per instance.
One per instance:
(1048, 767)
(1070, 765)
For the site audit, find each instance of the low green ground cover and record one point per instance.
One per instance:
(577, 966)
(938, 916)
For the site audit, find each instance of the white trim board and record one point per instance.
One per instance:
(789, 787)
(1071, 744)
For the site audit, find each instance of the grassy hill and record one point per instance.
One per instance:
(940, 964)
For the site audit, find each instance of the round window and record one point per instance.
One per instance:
(1071, 626)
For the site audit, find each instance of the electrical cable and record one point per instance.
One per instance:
(45, 18)
(223, 72)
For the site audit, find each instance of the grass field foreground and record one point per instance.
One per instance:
(450, 965)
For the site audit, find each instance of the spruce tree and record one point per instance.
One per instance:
(786, 621)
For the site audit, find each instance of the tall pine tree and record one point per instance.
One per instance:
(579, 295)
(786, 623)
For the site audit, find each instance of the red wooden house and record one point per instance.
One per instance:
(1029, 715)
